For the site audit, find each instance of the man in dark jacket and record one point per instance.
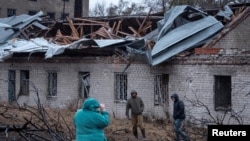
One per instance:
(136, 105)
(179, 116)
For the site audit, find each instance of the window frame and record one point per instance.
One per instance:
(12, 11)
(52, 83)
(222, 93)
(52, 15)
(84, 78)
(120, 86)
(24, 82)
(161, 82)
(11, 85)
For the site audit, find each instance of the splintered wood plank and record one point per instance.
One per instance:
(107, 33)
(81, 31)
(145, 28)
(118, 27)
(101, 33)
(62, 40)
(113, 28)
(91, 21)
(138, 21)
(84, 24)
(123, 33)
(72, 27)
(136, 34)
(145, 19)
(123, 58)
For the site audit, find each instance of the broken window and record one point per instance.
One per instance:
(52, 84)
(161, 89)
(11, 12)
(64, 15)
(12, 85)
(121, 83)
(31, 12)
(78, 8)
(24, 88)
(84, 84)
(51, 15)
(222, 97)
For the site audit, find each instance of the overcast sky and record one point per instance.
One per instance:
(107, 2)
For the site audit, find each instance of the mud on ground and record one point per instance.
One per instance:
(118, 130)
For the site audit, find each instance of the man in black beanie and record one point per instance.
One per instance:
(136, 105)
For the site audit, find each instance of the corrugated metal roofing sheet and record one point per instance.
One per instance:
(183, 28)
(183, 33)
(16, 23)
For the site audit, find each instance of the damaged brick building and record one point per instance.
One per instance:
(206, 63)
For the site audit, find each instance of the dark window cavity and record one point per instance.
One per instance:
(84, 84)
(222, 97)
(24, 82)
(52, 84)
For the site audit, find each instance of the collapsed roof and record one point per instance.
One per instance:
(156, 38)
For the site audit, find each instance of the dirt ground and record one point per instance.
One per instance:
(118, 130)
(121, 130)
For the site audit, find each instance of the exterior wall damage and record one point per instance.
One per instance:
(212, 80)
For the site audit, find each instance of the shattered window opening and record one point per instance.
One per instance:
(11, 12)
(84, 84)
(32, 12)
(52, 84)
(51, 15)
(222, 97)
(12, 85)
(161, 89)
(24, 88)
(121, 83)
(64, 15)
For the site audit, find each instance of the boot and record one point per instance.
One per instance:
(143, 134)
(135, 132)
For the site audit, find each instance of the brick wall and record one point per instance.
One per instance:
(191, 82)
(196, 82)
(52, 6)
(101, 79)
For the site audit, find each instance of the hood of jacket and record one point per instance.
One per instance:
(90, 104)
(175, 96)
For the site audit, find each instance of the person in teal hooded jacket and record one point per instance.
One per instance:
(90, 121)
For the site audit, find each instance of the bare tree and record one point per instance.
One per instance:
(99, 10)
(36, 124)
(222, 117)
(122, 5)
(112, 10)
(158, 5)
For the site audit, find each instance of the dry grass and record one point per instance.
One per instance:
(118, 130)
